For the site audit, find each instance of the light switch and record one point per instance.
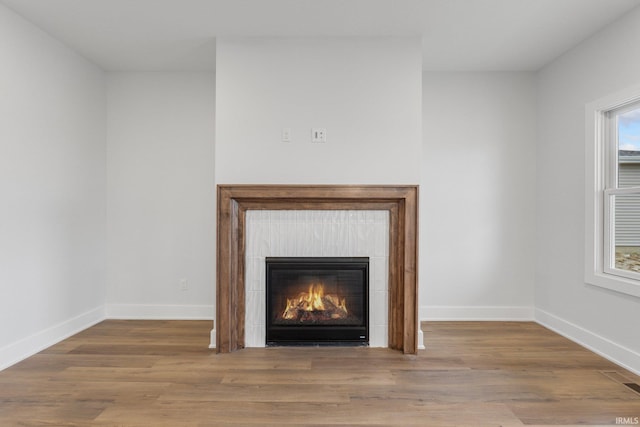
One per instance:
(286, 134)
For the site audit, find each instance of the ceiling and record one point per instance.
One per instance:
(460, 35)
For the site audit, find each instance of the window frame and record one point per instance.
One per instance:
(601, 163)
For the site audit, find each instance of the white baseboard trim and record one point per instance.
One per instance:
(616, 353)
(26, 347)
(475, 313)
(212, 343)
(420, 340)
(159, 312)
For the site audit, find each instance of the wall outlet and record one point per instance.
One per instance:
(183, 285)
(318, 135)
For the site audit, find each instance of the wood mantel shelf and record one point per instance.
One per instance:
(400, 201)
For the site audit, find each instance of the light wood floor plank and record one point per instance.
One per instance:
(161, 373)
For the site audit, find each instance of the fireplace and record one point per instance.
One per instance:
(234, 201)
(317, 301)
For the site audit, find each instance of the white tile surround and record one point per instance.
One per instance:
(337, 233)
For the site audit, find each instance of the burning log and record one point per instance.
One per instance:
(315, 306)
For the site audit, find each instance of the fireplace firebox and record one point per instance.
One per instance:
(317, 301)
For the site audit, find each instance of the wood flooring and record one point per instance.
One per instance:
(161, 373)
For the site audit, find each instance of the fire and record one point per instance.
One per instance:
(312, 301)
(315, 301)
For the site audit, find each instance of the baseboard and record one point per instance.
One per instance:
(159, 312)
(475, 313)
(26, 347)
(212, 338)
(616, 353)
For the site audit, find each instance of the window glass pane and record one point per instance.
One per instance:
(629, 148)
(627, 231)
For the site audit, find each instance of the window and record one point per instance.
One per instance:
(613, 193)
(622, 193)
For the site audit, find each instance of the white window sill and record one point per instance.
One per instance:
(614, 283)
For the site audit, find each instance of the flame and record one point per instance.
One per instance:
(314, 300)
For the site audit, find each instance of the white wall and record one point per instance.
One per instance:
(160, 203)
(52, 187)
(477, 213)
(604, 320)
(366, 92)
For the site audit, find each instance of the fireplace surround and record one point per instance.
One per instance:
(235, 200)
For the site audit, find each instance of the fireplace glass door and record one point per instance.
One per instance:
(314, 301)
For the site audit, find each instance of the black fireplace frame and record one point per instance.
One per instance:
(340, 335)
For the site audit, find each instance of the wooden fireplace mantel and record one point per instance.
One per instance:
(400, 201)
